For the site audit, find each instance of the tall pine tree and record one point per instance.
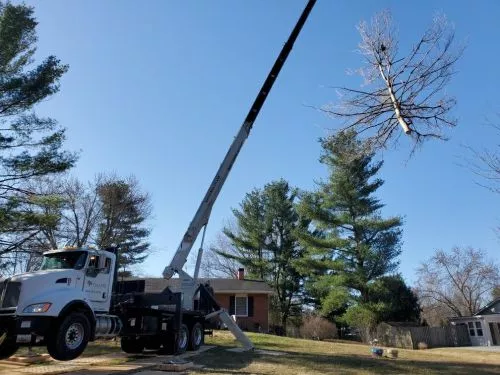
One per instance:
(30, 146)
(349, 244)
(250, 236)
(123, 213)
(267, 245)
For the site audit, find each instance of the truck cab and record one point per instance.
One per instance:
(60, 301)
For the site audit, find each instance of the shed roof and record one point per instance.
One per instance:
(491, 308)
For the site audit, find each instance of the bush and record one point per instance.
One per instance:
(318, 328)
(363, 318)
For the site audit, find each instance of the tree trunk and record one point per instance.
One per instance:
(395, 103)
(284, 319)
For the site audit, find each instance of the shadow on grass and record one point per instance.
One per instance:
(220, 361)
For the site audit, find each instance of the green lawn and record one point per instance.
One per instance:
(314, 357)
(287, 356)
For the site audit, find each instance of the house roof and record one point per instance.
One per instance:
(219, 285)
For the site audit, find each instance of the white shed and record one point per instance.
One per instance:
(484, 326)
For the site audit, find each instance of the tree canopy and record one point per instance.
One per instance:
(109, 211)
(30, 146)
(266, 243)
(456, 283)
(350, 245)
(402, 92)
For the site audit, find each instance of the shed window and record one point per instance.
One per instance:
(241, 306)
(472, 332)
(479, 329)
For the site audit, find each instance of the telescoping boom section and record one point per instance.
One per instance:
(202, 215)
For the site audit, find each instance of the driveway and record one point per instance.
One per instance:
(103, 364)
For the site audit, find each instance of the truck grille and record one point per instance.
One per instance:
(10, 293)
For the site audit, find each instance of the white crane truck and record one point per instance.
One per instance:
(75, 297)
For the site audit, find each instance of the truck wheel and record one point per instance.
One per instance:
(176, 344)
(131, 345)
(69, 339)
(196, 337)
(8, 346)
(182, 339)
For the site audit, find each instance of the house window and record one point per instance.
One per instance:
(472, 332)
(241, 305)
(479, 329)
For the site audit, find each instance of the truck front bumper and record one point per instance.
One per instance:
(27, 330)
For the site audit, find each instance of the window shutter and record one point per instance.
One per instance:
(250, 306)
(231, 305)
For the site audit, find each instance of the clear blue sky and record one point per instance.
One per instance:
(158, 89)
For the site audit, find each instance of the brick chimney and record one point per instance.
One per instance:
(241, 273)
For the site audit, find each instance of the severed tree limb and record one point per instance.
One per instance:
(400, 91)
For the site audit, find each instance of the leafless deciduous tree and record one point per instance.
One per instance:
(77, 206)
(485, 162)
(216, 265)
(457, 283)
(107, 211)
(401, 91)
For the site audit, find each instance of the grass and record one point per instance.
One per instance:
(315, 357)
(288, 356)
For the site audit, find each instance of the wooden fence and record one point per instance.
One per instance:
(409, 337)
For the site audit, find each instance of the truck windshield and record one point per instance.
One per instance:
(64, 260)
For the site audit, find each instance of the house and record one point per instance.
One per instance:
(246, 300)
(484, 326)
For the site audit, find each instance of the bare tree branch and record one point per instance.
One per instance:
(401, 92)
(485, 163)
(457, 283)
(215, 265)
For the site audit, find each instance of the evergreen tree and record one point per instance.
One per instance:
(30, 145)
(267, 244)
(123, 212)
(400, 303)
(108, 211)
(349, 245)
(250, 236)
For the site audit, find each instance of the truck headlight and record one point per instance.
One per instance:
(37, 308)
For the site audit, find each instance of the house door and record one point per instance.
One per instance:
(495, 333)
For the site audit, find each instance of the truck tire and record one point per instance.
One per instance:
(178, 343)
(70, 339)
(196, 336)
(8, 346)
(131, 345)
(182, 339)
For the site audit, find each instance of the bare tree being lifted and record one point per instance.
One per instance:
(401, 92)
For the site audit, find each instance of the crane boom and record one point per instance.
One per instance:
(202, 215)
